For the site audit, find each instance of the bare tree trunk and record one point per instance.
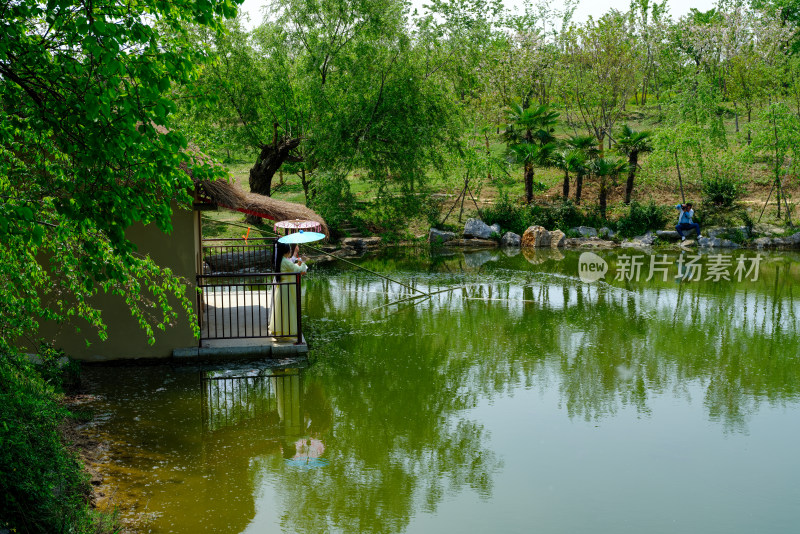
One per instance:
(488, 154)
(578, 188)
(565, 189)
(748, 124)
(270, 159)
(306, 184)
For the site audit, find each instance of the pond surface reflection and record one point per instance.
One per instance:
(523, 399)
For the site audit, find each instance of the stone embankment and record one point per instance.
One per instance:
(478, 234)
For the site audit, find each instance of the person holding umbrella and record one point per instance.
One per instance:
(283, 319)
(296, 258)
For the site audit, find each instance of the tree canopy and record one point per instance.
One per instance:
(86, 151)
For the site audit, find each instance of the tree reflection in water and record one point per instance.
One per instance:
(394, 393)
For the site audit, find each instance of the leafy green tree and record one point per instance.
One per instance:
(777, 138)
(600, 71)
(632, 143)
(85, 152)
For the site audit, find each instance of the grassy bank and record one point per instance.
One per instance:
(43, 483)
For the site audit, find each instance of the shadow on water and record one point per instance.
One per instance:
(389, 423)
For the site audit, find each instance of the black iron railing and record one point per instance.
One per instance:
(238, 255)
(250, 305)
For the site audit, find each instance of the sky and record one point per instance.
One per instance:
(585, 9)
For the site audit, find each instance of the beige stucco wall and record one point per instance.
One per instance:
(126, 340)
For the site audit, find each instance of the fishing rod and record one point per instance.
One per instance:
(422, 293)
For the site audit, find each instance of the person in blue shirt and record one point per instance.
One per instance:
(685, 220)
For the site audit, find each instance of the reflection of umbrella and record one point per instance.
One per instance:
(294, 225)
(307, 454)
(301, 237)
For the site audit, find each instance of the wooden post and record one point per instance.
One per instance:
(199, 296)
(299, 310)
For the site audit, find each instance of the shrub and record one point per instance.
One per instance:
(43, 485)
(333, 200)
(513, 217)
(733, 234)
(561, 215)
(641, 218)
(720, 191)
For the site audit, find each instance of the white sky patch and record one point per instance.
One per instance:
(594, 8)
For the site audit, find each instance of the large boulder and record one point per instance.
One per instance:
(767, 230)
(584, 231)
(557, 239)
(440, 237)
(792, 240)
(510, 239)
(477, 228)
(536, 237)
(640, 241)
(763, 242)
(716, 242)
(496, 228)
(722, 231)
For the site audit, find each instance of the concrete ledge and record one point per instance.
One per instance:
(266, 350)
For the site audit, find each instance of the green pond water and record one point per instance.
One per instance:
(525, 400)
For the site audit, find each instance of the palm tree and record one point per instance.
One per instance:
(632, 143)
(530, 140)
(532, 155)
(569, 160)
(587, 145)
(603, 168)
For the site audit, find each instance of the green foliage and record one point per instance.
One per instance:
(561, 215)
(333, 199)
(86, 151)
(43, 485)
(641, 218)
(509, 215)
(720, 191)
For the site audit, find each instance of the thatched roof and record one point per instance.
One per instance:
(228, 195)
